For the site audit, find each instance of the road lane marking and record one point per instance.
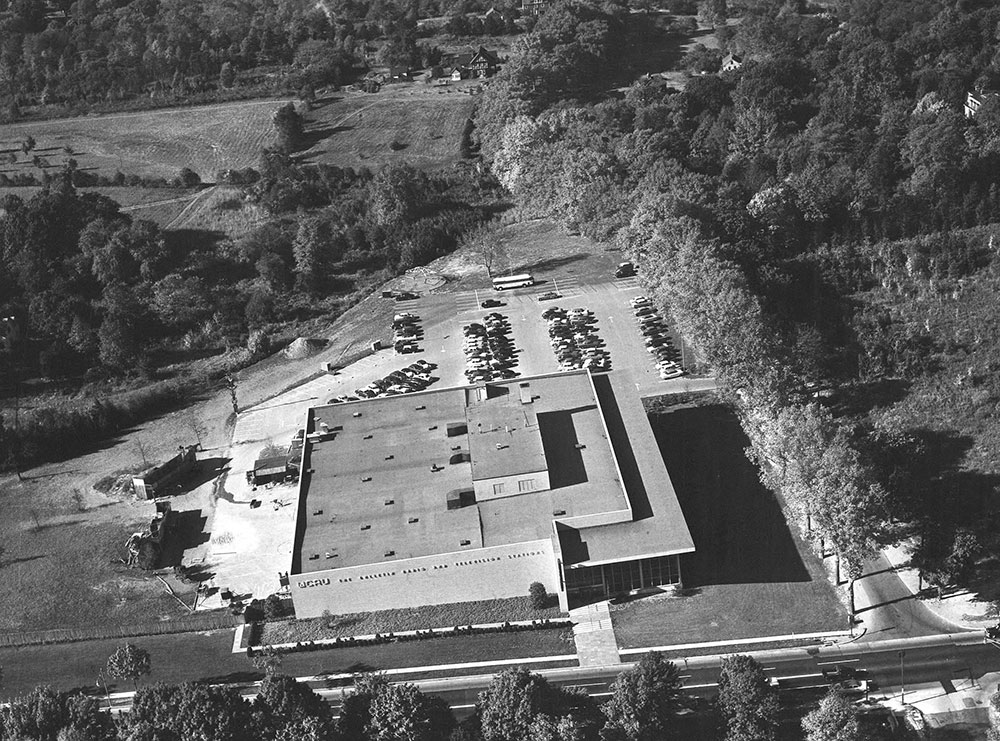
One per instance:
(838, 661)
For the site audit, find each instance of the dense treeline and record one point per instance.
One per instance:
(798, 215)
(645, 705)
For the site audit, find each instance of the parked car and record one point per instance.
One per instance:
(491, 303)
(406, 296)
(625, 270)
(549, 296)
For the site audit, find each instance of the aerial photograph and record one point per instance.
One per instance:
(499, 370)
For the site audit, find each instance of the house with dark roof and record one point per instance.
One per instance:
(479, 63)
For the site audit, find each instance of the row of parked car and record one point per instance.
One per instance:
(414, 377)
(489, 350)
(656, 336)
(406, 333)
(574, 339)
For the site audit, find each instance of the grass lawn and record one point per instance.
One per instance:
(416, 618)
(355, 130)
(208, 655)
(151, 143)
(750, 576)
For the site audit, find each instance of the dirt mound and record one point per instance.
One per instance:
(303, 347)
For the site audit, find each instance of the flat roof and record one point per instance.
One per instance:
(503, 432)
(658, 526)
(377, 473)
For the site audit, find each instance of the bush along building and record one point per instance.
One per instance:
(476, 492)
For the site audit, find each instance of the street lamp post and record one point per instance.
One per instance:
(902, 684)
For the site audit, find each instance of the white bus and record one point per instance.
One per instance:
(513, 281)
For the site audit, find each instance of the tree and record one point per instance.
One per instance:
(509, 706)
(289, 126)
(266, 659)
(287, 707)
(539, 596)
(747, 702)
(644, 700)
(28, 144)
(836, 719)
(226, 75)
(129, 662)
(401, 712)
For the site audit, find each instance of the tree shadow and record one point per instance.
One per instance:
(552, 263)
(739, 531)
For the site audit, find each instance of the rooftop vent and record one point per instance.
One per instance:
(356, 414)
(525, 392)
(367, 437)
(435, 468)
(432, 427)
(389, 501)
(390, 553)
(389, 457)
(366, 527)
(314, 557)
(580, 446)
(558, 512)
(365, 479)
(317, 513)
(464, 542)
(331, 554)
(420, 408)
(413, 520)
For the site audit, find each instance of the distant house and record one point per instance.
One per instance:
(494, 13)
(480, 63)
(974, 100)
(731, 62)
(532, 7)
(484, 63)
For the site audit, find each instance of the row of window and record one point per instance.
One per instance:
(522, 486)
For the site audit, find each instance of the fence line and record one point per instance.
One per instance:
(69, 635)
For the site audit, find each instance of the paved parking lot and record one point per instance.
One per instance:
(616, 325)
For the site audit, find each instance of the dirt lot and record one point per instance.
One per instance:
(750, 575)
(356, 129)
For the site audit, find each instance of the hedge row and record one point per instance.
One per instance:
(419, 635)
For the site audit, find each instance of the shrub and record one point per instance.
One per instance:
(539, 596)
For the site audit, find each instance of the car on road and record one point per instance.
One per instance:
(491, 303)
(839, 673)
(549, 296)
(851, 687)
(406, 296)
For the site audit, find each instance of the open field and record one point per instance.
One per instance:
(751, 576)
(355, 129)
(152, 143)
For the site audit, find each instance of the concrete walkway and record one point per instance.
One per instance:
(594, 635)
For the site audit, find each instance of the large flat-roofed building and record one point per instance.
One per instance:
(475, 492)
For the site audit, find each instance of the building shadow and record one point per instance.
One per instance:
(187, 530)
(559, 443)
(739, 531)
